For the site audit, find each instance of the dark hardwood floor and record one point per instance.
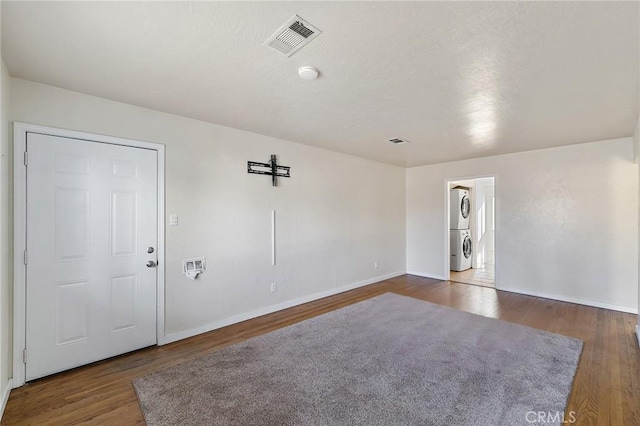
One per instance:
(606, 390)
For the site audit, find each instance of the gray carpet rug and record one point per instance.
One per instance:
(390, 360)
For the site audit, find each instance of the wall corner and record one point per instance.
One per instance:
(636, 142)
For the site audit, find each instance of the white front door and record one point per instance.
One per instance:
(91, 223)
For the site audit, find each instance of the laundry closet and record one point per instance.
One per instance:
(472, 231)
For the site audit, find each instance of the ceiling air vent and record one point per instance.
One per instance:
(398, 141)
(292, 36)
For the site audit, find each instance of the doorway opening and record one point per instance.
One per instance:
(470, 231)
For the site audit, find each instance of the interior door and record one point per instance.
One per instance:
(91, 252)
(490, 202)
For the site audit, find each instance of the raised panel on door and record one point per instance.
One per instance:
(124, 223)
(91, 209)
(72, 223)
(72, 312)
(124, 302)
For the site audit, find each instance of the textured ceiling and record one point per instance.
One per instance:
(458, 80)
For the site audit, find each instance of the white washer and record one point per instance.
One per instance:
(459, 208)
(461, 251)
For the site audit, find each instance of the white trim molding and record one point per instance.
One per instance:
(576, 300)
(20, 131)
(427, 275)
(174, 337)
(5, 397)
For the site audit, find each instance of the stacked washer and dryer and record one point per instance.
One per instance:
(459, 232)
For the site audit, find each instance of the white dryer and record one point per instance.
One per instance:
(461, 250)
(459, 208)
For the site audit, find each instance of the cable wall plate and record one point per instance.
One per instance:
(193, 267)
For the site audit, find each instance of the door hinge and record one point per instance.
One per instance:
(24, 355)
(26, 158)
(25, 257)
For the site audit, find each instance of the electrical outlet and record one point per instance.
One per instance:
(273, 287)
(375, 265)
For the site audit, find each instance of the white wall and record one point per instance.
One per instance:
(636, 142)
(636, 152)
(6, 241)
(566, 221)
(336, 215)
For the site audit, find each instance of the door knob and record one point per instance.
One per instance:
(151, 264)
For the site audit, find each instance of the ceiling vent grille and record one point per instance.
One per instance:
(292, 36)
(398, 141)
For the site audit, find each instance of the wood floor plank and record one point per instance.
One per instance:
(605, 391)
(630, 379)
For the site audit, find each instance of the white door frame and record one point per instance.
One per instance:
(20, 131)
(447, 216)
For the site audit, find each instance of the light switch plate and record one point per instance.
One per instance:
(173, 220)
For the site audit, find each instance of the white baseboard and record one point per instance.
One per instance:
(173, 337)
(5, 397)
(638, 333)
(425, 275)
(627, 309)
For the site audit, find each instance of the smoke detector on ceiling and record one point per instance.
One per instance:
(398, 141)
(292, 36)
(308, 73)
